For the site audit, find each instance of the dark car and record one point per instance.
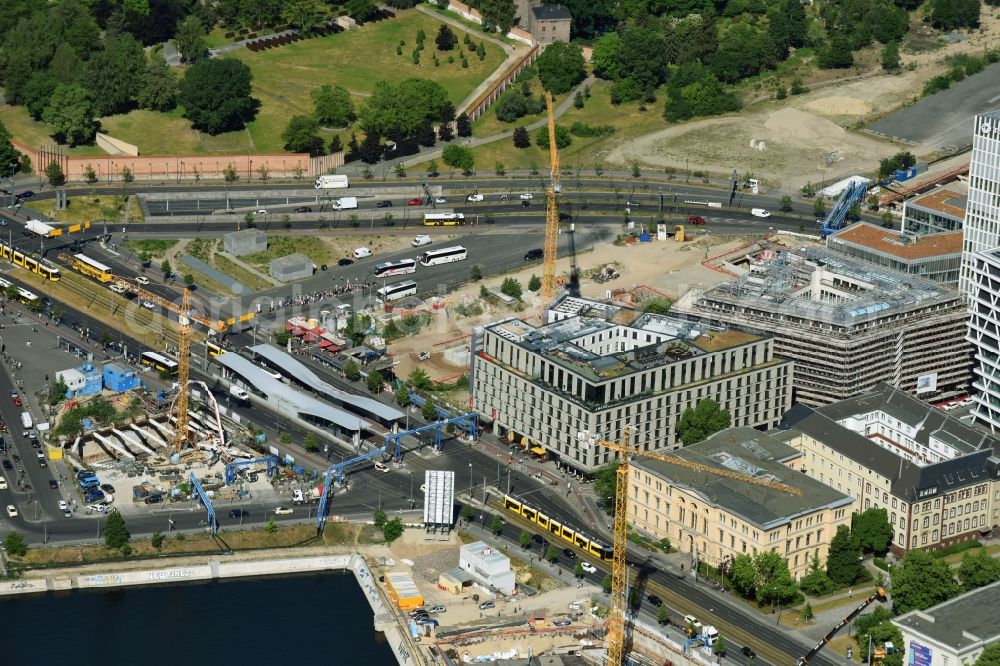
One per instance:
(238, 513)
(525, 204)
(345, 262)
(7, 465)
(534, 255)
(568, 552)
(27, 194)
(302, 209)
(153, 499)
(655, 600)
(537, 538)
(632, 204)
(748, 653)
(53, 484)
(385, 203)
(108, 488)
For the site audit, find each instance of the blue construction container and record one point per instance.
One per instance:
(119, 378)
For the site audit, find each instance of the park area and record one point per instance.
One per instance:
(283, 80)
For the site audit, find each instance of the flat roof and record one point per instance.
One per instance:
(906, 248)
(942, 200)
(756, 454)
(292, 400)
(483, 551)
(295, 368)
(966, 621)
(547, 13)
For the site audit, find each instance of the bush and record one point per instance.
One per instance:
(583, 129)
(956, 548)
(881, 564)
(563, 137)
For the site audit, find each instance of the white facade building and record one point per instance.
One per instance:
(488, 567)
(955, 632)
(982, 215)
(984, 334)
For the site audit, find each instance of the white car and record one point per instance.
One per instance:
(760, 212)
(63, 505)
(967, 402)
(297, 497)
(440, 200)
(421, 240)
(381, 467)
(12, 511)
(100, 507)
(475, 197)
(362, 252)
(283, 511)
(3, 483)
(527, 196)
(262, 211)
(142, 279)
(950, 406)
(588, 567)
(148, 305)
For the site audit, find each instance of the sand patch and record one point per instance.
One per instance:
(792, 123)
(839, 105)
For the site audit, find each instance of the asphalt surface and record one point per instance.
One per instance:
(945, 118)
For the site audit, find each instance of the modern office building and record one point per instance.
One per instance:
(594, 369)
(715, 518)
(982, 213)
(984, 334)
(940, 210)
(937, 256)
(937, 478)
(847, 324)
(954, 632)
(488, 567)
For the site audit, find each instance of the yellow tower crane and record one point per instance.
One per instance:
(619, 561)
(551, 211)
(183, 370)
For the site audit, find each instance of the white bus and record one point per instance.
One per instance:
(443, 256)
(401, 267)
(396, 291)
(331, 182)
(159, 362)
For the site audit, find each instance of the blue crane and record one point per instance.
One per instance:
(212, 520)
(854, 193)
(393, 446)
(272, 467)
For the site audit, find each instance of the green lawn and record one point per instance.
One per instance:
(488, 124)
(280, 246)
(155, 247)
(88, 209)
(285, 77)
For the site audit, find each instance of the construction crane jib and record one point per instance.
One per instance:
(183, 371)
(619, 562)
(551, 211)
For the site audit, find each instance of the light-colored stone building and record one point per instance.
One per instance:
(594, 369)
(954, 632)
(550, 24)
(488, 567)
(715, 518)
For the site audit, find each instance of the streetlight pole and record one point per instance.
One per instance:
(470, 482)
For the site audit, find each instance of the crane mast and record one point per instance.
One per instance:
(551, 211)
(183, 370)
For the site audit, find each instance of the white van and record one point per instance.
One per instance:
(26, 421)
(238, 393)
(760, 212)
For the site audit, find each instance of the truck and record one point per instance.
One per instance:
(346, 203)
(330, 182)
(38, 227)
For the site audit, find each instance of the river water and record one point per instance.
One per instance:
(308, 619)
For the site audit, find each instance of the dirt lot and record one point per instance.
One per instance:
(666, 266)
(806, 137)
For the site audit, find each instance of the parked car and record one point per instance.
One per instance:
(108, 488)
(385, 203)
(99, 507)
(950, 406)
(148, 305)
(486, 605)
(17, 401)
(302, 209)
(414, 202)
(562, 622)
(421, 240)
(527, 196)
(283, 511)
(362, 252)
(439, 608)
(63, 505)
(967, 402)
(534, 255)
(588, 567)
(428, 622)
(153, 499)
(3, 483)
(12, 511)
(655, 600)
(474, 198)
(53, 484)
(6, 465)
(238, 513)
(345, 261)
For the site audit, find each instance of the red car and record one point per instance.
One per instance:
(17, 401)
(414, 202)
(696, 219)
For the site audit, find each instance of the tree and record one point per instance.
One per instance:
(10, 159)
(127, 176)
(921, 581)
(854, 212)
(743, 574)
(890, 56)
(521, 138)
(807, 612)
(309, 442)
(402, 396)
(837, 54)
(497, 15)
(458, 157)
(116, 534)
(656, 305)
(158, 85)
(305, 15)
(952, 14)
(496, 525)
(190, 39)
(463, 126)
(978, 570)
(70, 113)
(511, 287)
(816, 582)
(215, 95)
(511, 106)
(361, 10)
(419, 380)
(578, 570)
(379, 518)
(445, 39)
(772, 582)
(301, 135)
(560, 67)
(990, 656)
(15, 544)
(662, 614)
(392, 530)
(819, 207)
(351, 371)
(606, 584)
(876, 627)
(605, 484)
(872, 530)
(785, 204)
(332, 106)
(719, 646)
(701, 422)
(37, 92)
(563, 137)
(842, 565)
(54, 173)
(165, 268)
(524, 539)
(156, 541)
(429, 410)
(371, 149)
(535, 283)
(552, 554)
(399, 110)
(375, 381)
(114, 74)
(57, 391)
